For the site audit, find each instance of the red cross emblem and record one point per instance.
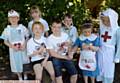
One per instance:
(105, 37)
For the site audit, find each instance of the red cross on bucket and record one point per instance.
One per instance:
(105, 37)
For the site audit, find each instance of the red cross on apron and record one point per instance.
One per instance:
(106, 36)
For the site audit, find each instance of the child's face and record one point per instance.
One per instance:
(37, 30)
(105, 20)
(87, 32)
(35, 14)
(13, 20)
(68, 21)
(56, 28)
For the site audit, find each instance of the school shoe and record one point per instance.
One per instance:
(116, 60)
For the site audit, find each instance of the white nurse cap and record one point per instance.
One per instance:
(13, 13)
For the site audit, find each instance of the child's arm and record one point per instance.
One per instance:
(5, 35)
(72, 51)
(96, 44)
(93, 48)
(10, 45)
(23, 46)
(52, 51)
(85, 47)
(41, 50)
(30, 51)
(75, 34)
(34, 53)
(25, 39)
(56, 55)
(37, 52)
(45, 60)
(74, 48)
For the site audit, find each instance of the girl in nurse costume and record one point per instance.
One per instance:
(14, 36)
(106, 53)
(89, 44)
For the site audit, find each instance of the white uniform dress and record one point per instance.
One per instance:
(44, 22)
(106, 53)
(16, 35)
(34, 45)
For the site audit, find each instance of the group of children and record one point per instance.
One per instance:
(97, 52)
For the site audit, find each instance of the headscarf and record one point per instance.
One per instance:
(113, 17)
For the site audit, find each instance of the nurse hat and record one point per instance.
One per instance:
(13, 13)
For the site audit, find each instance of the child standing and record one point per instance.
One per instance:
(106, 53)
(89, 44)
(14, 37)
(36, 15)
(69, 28)
(37, 51)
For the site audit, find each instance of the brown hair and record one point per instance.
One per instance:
(39, 23)
(35, 8)
(87, 25)
(68, 15)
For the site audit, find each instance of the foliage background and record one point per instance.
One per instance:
(80, 9)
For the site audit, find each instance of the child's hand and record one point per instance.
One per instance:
(85, 47)
(22, 47)
(14, 47)
(67, 44)
(91, 47)
(70, 55)
(42, 49)
(44, 63)
(66, 25)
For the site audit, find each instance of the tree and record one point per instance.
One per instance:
(50, 8)
(80, 9)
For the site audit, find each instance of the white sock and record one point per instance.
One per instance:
(25, 77)
(20, 78)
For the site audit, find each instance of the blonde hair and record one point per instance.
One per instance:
(38, 23)
(35, 8)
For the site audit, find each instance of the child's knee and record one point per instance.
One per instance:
(38, 77)
(52, 74)
(74, 76)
